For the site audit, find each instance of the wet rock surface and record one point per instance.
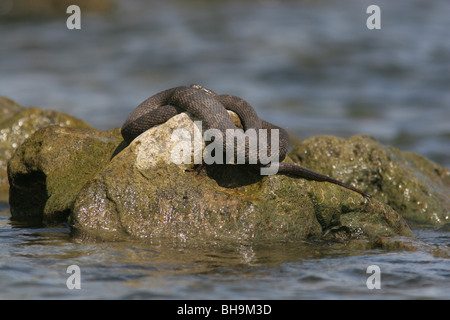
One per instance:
(18, 123)
(48, 170)
(110, 191)
(414, 186)
(141, 194)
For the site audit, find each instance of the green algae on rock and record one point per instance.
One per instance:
(140, 194)
(412, 185)
(112, 191)
(47, 171)
(18, 123)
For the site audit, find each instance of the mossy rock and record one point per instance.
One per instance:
(18, 123)
(113, 192)
(414, 186)
(48, 170)
(141, 194)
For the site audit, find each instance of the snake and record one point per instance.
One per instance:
(211, 108)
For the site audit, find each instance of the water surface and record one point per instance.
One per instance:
(34, 262)
(310, 66)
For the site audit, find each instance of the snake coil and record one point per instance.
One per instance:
(211, 108)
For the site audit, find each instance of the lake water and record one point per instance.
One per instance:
(311, 67)
(34, 262)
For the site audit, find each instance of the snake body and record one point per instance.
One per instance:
(211, 108)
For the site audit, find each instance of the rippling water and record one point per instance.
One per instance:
(34, 262)
(312, 67)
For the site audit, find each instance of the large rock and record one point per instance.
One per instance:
(18, 123)
(113, 192)
(142, 194)
(48, 170)
(414, 186)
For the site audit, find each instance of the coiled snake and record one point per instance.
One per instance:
(211, 108)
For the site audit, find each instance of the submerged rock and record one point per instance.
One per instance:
(18, 123)
(414, 186)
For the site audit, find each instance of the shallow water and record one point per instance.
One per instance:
(34, 262)
(312, 67)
